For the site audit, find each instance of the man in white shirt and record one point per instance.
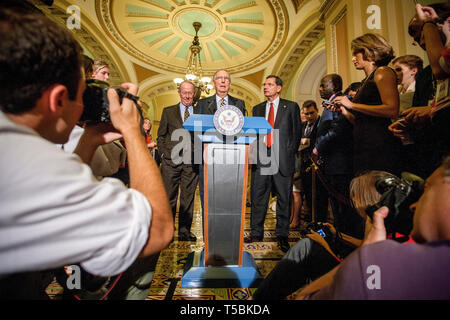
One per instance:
(179, 174)
(54, 212)
(277, 175)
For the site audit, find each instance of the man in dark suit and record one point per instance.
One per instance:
(221, 83)
(281, 148)
(209, 105)
(333, 151)
(179, 173)
(308, 140)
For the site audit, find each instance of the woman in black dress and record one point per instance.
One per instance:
(375, 104)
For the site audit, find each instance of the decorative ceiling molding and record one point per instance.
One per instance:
(298, 4)
(307, 40)
(256, 78)
(143, 73)
(325, 8)
(237, 35)
(89, 37)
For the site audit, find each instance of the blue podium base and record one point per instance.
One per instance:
(196, 275)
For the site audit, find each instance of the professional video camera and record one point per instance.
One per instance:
(398, 195)
(96, 104)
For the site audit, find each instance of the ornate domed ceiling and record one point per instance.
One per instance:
(147, 41)
(236, 34)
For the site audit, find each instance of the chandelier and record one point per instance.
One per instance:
(194, 72)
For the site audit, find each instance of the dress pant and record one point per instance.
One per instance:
(262, 186)
(185, 178)
(306, 260)
(346, 219)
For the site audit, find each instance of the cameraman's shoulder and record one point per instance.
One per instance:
(380, 246)
(390, 252)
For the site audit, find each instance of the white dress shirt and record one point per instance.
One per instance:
(54, 212)
(219, 101)
(275, 102)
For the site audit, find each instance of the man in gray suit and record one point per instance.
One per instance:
(282, 146)
(209, 105)
(177, 174)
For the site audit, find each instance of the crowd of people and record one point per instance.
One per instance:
(65, 204)
(396, 122)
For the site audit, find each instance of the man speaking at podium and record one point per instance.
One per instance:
(209, 105)
(222, 83)
(284, 116)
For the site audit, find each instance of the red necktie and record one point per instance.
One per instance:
(270, 118)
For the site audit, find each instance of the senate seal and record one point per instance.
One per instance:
(228, 120)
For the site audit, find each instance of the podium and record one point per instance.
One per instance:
(223, 263)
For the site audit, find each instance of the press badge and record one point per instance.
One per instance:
(442, 95)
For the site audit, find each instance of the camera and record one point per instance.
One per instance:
(96, 104)
(398, 195)
(327, 104)
(318, 227)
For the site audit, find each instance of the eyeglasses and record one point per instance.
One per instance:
(227, 79)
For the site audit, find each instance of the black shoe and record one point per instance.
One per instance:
(283, 244)
(186, 236)
(253, 239)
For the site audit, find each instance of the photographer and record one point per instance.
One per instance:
(54, 212)
(411, 271)
(315, 255)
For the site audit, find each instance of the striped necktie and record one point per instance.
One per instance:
(222, 102)
(186, 113)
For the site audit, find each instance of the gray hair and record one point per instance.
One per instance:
(186, 81)
(215, 73)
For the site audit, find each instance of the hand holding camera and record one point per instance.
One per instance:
(124, 111)
(343, 101)
(109, 112)
(331, 106)
(397, 195)
(400, 129)
(378, 231)
(319, 228)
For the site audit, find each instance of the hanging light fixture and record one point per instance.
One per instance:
(194, 71)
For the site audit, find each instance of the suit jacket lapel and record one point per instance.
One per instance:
(212, 106)
(260, 110)
(232, 101)
(280, 113)
(177, 115)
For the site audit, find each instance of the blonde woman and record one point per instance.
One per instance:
(375, 104)
(100, 70)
